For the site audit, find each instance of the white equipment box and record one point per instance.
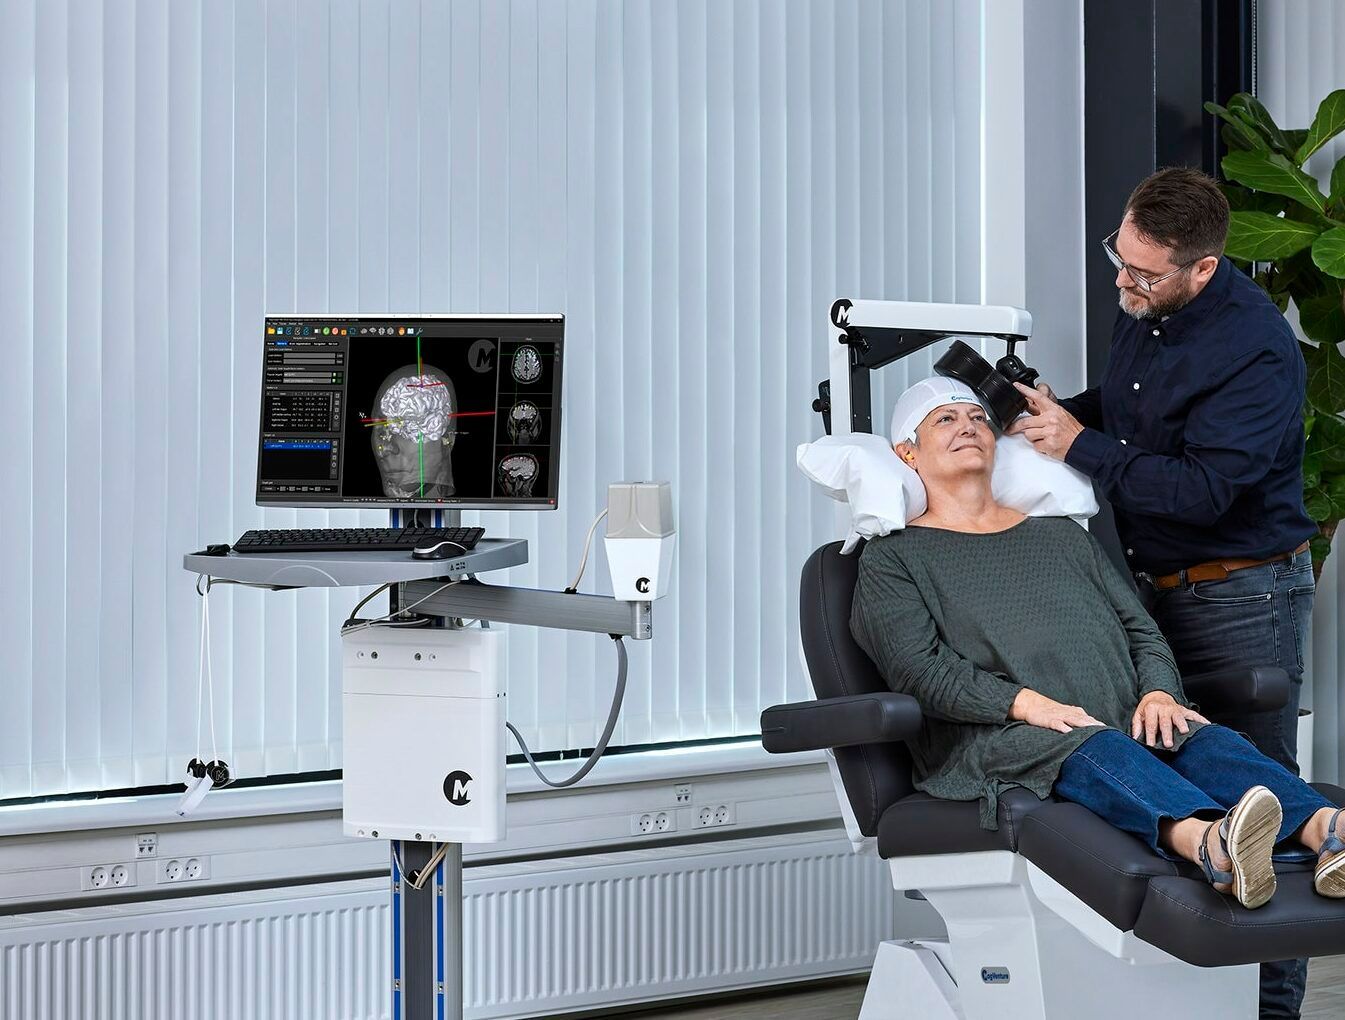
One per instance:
(424, 713)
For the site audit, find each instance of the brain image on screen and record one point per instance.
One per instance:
(413, 433)
(525, 422)
(527, 365)
(518, 474)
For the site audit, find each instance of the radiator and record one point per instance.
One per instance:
(540, 938)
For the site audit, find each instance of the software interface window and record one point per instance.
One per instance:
(390, 411)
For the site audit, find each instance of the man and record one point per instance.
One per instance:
(1195, 436)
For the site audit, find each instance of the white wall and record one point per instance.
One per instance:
(692, 183)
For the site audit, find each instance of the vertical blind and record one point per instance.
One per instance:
(1300, 60)
(691, 183)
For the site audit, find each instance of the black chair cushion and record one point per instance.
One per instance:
(1187, 918)
(875, 775)
(1117, 875)
(920, 824)
(1108, 869)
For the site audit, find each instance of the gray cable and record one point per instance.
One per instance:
(601, 746)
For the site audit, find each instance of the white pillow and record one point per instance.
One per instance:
(863, 470)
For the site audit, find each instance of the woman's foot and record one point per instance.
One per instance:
(1235, 852)
(1329, 879)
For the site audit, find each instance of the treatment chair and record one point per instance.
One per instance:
(1057, 915)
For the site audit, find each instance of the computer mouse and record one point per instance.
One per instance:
(439, 549)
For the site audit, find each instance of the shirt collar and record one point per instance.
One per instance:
(1190, 316)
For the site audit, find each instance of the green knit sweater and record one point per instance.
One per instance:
(962, 622)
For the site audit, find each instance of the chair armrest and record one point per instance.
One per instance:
(1247, 689)
(840, 722)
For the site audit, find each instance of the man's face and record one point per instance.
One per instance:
(1150, 260)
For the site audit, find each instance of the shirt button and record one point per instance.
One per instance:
(1158, 332)
(1135, 385)
(1130, 552)
(1123, 442)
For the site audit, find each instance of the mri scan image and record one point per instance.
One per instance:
(412, 433)
(518, 474)
(527, 366)
(525, 422)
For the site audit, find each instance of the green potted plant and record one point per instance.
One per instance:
(1291, 238)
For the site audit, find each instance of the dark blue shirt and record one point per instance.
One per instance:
(1195, 435)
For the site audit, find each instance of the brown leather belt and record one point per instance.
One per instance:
(1214, 570)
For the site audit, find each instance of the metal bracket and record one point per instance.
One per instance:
(476, 600)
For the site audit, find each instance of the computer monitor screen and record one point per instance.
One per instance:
(410, 411)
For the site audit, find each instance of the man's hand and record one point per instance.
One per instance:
(1038, 710)
(1050, 428)
(1158, 713)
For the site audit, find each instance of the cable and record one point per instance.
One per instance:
(601, 746)
(423, 876)
(352, 625)
(583, 560)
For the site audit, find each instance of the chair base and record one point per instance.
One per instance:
(1010, 956)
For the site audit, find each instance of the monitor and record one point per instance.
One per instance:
(404, 411)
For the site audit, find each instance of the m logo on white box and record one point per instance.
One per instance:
(455, 788)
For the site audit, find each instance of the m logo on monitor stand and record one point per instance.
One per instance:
(455, 788)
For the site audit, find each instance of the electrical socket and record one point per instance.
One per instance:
(107, 877)
(652, 823)
(713, 815)
(183, 869)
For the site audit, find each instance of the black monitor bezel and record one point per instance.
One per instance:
(287, 502)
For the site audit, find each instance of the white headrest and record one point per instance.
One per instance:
(862, 470)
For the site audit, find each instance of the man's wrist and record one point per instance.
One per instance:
(1157, 695)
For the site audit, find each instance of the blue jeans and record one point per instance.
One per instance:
(1255, 617)
(1135, 787)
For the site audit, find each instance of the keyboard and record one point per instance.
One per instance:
(285, 540)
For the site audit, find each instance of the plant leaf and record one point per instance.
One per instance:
(1318, 504)
(1338, 183)
(1328, 123)
(1328, 442)
(1236, 132)
(1312, 472)
(1326, 383)
(1322, 318)
(1328, 252)
(1260, 237)
(1269, 171)
(1249, 108)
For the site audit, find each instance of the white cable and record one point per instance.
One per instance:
(583, 560)
(200, 673)
(209, 671)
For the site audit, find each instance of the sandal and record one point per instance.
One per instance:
(1248, 834)
(1329, 879)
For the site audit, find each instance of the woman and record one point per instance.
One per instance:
(1037, 667)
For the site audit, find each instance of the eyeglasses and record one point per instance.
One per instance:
(1143, 283)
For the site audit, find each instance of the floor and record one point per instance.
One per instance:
(838, 1000)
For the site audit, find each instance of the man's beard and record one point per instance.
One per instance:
(1152, 310)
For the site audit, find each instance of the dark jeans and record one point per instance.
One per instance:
(1135, 787)
(1255, 617)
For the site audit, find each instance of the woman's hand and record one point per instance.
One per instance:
(1158, 713)
(1038, 710)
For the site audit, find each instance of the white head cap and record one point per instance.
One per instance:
(923, 397)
